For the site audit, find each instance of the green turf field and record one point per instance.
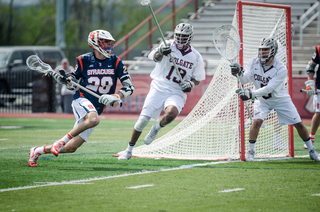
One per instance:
(92, 180)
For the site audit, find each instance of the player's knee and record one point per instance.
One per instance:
(141, 123)
(94, 121)
(257, 123)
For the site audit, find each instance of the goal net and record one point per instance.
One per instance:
(218, 126)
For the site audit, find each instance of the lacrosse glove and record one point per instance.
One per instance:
(60, 79)
(164, 50)
(110, 99)
(311, 87)
(187, 86)
(245, 94)
(236, 69)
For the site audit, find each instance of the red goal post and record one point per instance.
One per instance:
(241, 21)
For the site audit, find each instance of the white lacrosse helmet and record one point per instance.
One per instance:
(183, 34)
(267, 44)
(95, 41)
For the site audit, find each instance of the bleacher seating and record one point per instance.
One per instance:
(219, 12)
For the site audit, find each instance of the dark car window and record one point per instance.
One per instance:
(16, 56)
(52, 56)
(25, 55)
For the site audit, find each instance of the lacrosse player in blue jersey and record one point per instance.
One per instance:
(97, 71)
(311, 89)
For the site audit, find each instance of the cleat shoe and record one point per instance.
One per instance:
(57, 147)
(125, 156)
(250, 155)
(151, 135)
(314, 155)
(305, 146)
(33, 157)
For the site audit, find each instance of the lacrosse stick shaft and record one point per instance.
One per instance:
(164, 41)
(303, 90)
(245, 103)
(84, 89)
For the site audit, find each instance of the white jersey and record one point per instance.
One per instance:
(190, 65)
(269, 84)
(271, 92)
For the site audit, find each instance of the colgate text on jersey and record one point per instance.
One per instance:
(262, 79)
(183, 63)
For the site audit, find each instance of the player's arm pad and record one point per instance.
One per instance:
(128, 87)
(310, 67)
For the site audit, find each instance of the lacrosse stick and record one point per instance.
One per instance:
(226, 40)
(303, 90)
(36, 64)
(148, 2)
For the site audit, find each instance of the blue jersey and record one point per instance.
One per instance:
(99, 76)
(316, 59)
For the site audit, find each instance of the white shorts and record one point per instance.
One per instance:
(81, 107)
(286, 111)
(156, 101)
(316, 102)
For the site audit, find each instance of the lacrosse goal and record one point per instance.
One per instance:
(218, 126)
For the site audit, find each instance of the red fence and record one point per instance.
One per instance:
(133, 104)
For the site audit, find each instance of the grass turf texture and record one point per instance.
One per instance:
(275, 185)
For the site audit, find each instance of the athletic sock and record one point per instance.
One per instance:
(41, 150)
(130, 147)
(308, 143)
(251, 144)
(66, 138)
(312, 135)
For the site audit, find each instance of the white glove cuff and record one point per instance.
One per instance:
(310, 83)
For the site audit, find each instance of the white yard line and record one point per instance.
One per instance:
(140, 186)
(111, 177)
(231, 190)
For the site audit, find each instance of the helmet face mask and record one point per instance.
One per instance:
(183, 35)
(267, 50)
(102, 41)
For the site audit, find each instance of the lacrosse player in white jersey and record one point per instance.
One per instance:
(167, 91)
(268, 75)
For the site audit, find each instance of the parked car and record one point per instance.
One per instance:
(13, 69)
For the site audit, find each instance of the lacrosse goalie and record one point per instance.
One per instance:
(269, 75)
(97, 71)
(167, 92)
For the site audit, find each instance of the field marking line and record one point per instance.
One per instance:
(315, 195)
(231, 190)
(111, 177)
(140, 186)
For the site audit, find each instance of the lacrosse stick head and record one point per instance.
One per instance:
(145, 2)
(35, 63)
(226, 39)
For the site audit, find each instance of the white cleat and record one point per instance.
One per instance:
(305, 146)
(250, 155)
(125, 156)
(151, 135)
(314, 155)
